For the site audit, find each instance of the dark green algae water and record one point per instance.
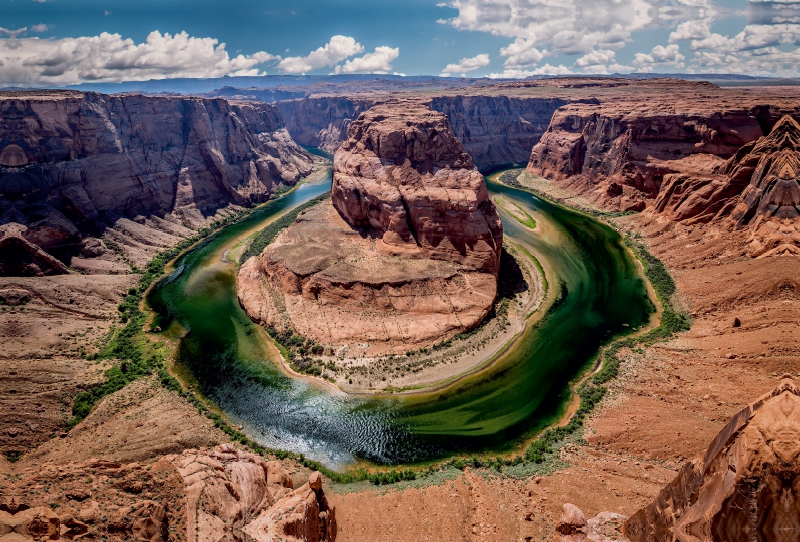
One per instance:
(598, 290)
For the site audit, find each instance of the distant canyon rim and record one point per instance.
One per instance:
(93, 186)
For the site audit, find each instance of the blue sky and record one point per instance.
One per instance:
(71, 41)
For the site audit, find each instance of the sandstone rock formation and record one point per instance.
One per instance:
(403, 174)
(620, 152)
(330, 283)
(73, 164)
(744, 488)
(230, 493)
(758, 189)
(495, 130)
(410, 258)
(604, 527)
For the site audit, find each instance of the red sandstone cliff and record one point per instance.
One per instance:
(403, 173)
(619, 152)
(75, 163)
(744, 488)
(757, 189)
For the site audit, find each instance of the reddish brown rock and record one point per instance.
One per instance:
(337, 286)
(403, 174)
(230, 492)
(74, 163)
(619, 152)
(757, 189)
(409, 255)
(745, 483)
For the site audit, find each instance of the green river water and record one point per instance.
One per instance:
(600, 294)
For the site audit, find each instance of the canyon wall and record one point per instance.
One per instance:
(498, 130)
(73, 164)
(758, 189)
(321, 122)
(406, 254)
(495, 130)
(619, 152)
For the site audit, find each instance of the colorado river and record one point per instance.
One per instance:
(600, 294)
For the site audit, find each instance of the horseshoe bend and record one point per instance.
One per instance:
(401, 309)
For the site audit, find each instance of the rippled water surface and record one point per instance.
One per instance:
(228, 356)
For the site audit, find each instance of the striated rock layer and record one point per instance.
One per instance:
(234, 495)
(744, 488)
(499, 130)
(330, 283)
(73, 164)
(403, 174)
(620, 152)
(406, 254)
(757, 189)
(494, 130)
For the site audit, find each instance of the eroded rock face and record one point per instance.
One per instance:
(758, 189)
(335, 285)
(619, 153)
(498, 130)
(230, 493)
(72, 164)
(322, 121)
(403, 174)
(407, 253)
(744, 488)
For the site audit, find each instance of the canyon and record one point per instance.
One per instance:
(713, 171)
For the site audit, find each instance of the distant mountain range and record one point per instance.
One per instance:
(227, 85)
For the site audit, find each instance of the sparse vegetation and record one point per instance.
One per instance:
(133, 355)
(268, 234)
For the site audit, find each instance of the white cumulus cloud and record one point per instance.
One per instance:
(660, 55)
(337, 49)
(466, 65)
(564, 26)
(596, 58)
(547, 69)
(379, 61)
(522, 53)
(112, 58)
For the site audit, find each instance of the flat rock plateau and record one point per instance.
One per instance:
(713, 171)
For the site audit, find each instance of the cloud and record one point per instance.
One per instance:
(466, 65)
(109, 57)
(522, 53)
(39, 28)
(379, 61)
(596, 58)
(660, 55)
(547, 69)
(337, 49)
(563, 26)
(690, 30)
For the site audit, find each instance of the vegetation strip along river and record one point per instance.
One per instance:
(599, 293)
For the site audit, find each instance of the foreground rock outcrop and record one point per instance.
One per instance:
(74, 164)
(229, 493)
(757, 189)
(406, 255)
(744, 488)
